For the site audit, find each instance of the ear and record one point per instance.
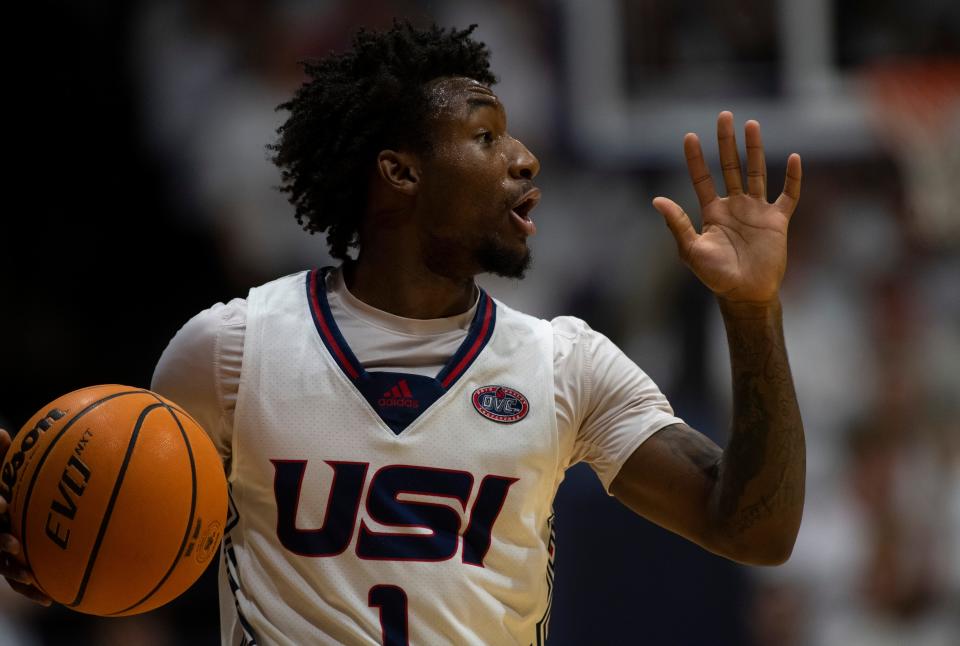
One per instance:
(400, 171)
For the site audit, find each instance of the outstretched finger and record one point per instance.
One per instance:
(788, 199)
(678, 222)
(756, 163)
(729, 157)
(697, 167)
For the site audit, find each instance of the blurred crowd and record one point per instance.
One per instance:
(871, 297)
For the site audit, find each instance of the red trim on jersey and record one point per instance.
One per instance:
(477, 344)
(325, 330)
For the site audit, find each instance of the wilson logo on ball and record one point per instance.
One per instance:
(8, 478)
(209, 542)
(501, 404)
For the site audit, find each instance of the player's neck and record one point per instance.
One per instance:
(406, 288)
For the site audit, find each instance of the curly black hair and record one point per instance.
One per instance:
(355, 104)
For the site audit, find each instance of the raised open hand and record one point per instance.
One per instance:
(19, 577)
(741, 250)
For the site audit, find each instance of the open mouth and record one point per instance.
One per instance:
(523, 208)
(521, 211)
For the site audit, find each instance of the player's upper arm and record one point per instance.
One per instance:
(669, 480)
(646, 457)
(200, 369)
(611, 405)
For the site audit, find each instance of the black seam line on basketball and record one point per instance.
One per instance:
(43, 458)
(109, 510)
(181, 411)
(193, 512)
(169, 404)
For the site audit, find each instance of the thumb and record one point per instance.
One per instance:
(678, 222)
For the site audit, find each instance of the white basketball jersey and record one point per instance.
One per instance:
(385, 507)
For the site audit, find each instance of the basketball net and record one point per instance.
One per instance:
(915, 108)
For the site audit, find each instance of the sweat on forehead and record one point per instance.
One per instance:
(445, 92)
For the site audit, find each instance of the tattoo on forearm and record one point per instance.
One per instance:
(762, 470)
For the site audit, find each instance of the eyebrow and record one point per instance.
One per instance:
(477, 101)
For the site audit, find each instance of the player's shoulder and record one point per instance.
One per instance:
(570, 334)
(570, 328)
(519, 322)
(296, 280)
(233, 313)
(212, 337)
(283, 296)
(573, 341)
(210, 322)
(565, 325)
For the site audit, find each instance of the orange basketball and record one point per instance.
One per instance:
(118, 498)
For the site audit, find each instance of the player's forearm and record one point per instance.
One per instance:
(757, 502)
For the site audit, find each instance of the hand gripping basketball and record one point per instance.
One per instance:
(116, 501)
(17, 575)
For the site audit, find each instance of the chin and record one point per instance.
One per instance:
(497, 258)
(459, 258)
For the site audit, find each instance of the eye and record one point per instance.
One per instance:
(485, 136)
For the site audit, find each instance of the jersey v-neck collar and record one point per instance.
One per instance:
(398, 398)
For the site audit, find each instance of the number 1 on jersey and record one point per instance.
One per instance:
(392, 602)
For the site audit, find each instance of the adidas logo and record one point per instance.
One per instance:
(399, 397)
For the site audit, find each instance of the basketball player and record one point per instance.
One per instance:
(394, 436)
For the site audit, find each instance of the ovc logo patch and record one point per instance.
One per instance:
(501, 404)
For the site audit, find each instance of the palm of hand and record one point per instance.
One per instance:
(741, 252)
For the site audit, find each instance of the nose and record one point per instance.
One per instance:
(523, 164)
